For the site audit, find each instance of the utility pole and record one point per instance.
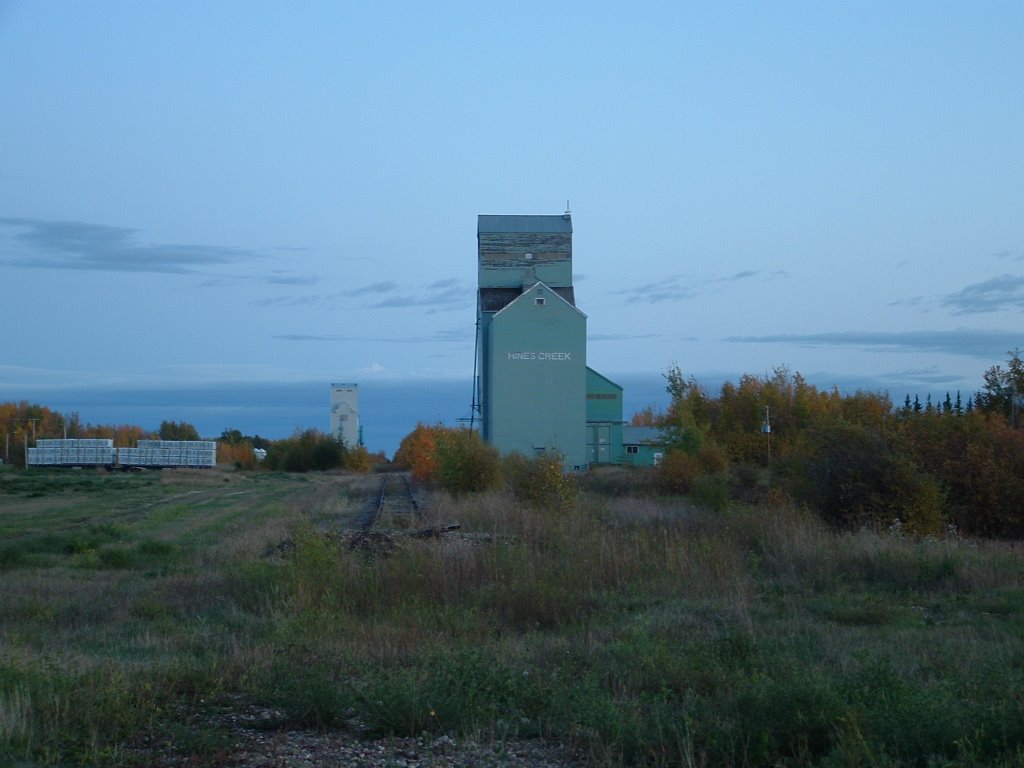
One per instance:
(766, 428)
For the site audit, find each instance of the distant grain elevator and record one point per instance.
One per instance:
(345, 414)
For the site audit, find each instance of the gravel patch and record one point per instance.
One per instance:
(259, 738)
(298, 749)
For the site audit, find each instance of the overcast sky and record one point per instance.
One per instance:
(203, 192)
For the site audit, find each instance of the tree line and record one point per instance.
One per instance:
(23, 423)
(854, 458)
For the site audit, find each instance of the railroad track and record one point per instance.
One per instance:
(395, 504)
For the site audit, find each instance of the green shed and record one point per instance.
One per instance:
(604, 419)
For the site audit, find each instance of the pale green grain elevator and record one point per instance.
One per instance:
(531, 338)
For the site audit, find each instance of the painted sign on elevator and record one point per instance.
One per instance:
(540, 355)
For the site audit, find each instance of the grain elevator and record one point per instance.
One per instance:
(532, 375)
(345, 414)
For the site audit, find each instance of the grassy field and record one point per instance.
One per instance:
(137, 609)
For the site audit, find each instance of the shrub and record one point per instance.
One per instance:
(305, 451)
(682, 468)
(619, 481)
(712, 491)
(361, 460)
(465, 463)
(418, 452)
(241, 455)
(853, 476)
(540, 482)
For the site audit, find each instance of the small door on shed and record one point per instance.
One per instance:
(599, 443)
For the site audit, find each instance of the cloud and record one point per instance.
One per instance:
(926, 376)
(744, 275)
(1011, 255)
(443, 336)
(747, 274)
(382, 286)
(464, 333)
(669, 289)
(439, 296)
(287, 301)
(81, 246)
(684, 288)
(912, 301)
(293, 280)
(446, 283)
(984, 344)
(449, 293)
(622, 336)
(897, 383)
(1000, 293)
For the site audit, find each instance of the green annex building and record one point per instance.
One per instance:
(535, 393)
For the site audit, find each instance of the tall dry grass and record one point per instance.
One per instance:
(648, 631)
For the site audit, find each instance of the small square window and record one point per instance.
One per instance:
(633, 449)
(539, 301)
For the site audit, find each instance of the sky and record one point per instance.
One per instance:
(233, 194)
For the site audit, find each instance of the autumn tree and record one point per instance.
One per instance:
(25, 422)
(359, 459)
(418, 452)
(978, 460)
(691, 413)
(647, 417)
(241, 455)
(694, 457)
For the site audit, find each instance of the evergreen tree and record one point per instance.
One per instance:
(1003, 388)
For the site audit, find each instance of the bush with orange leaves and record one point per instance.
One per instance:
(418, 452)
(456, 460)
(241, 454)
(359, 459)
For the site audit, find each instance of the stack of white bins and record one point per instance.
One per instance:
(169, 453)
(80, 452)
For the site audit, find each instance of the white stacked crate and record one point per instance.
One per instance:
(76, 452)
(128, 457)
(101, 452)
(171, 453)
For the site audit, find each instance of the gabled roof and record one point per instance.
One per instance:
(497, 223)
(602, 376)
(642, 436)
(527, 289)
(496, 299)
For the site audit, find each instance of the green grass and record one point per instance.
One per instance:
(647, 632)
